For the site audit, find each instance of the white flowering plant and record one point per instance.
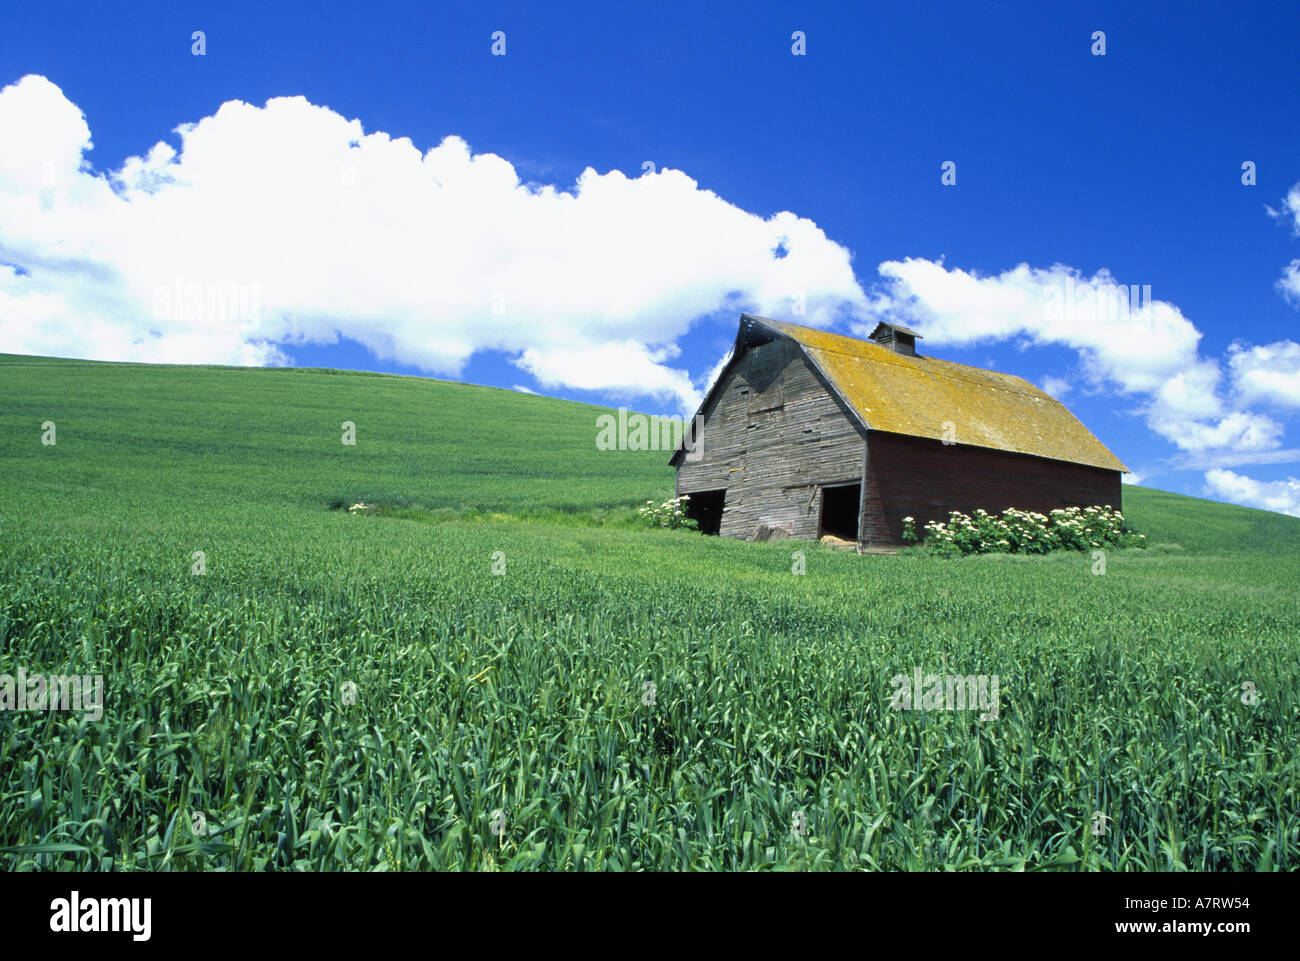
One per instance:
(671, 514)
(1025, 532)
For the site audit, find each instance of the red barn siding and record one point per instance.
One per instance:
(926, 479)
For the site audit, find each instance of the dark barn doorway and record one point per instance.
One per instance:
(840, 510)
(705, 508)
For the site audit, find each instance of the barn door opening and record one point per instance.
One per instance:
(705, 508)
(840, 510)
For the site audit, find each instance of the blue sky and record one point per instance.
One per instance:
(780, 182)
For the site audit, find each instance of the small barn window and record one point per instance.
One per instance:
(705, 508)
(840, 510)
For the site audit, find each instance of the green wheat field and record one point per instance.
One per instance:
(347, 691)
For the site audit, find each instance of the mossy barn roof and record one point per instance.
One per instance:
(917, 395)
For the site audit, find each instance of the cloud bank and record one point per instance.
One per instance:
(1289, 282)
(1282, 496)
(288, 224)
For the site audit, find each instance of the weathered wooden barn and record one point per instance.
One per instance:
(807, 433)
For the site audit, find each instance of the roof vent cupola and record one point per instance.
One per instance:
(901, 340)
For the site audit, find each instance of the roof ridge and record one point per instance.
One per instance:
(891, 354)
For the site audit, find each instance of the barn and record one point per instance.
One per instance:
(807, 433)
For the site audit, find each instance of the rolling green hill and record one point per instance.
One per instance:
(503, 672)
(274, 437)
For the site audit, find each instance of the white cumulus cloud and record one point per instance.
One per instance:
(1290, 209)
(1282, 496)
(1058, 387)
(1289, 282)
(1267, 372)
(288, 223)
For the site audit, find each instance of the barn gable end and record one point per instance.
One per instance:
(773, 434)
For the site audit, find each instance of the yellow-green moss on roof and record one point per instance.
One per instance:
(917, 396)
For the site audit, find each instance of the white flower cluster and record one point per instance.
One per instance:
(1026, 532)
(671, 513)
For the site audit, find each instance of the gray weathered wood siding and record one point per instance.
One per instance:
(773, 434)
